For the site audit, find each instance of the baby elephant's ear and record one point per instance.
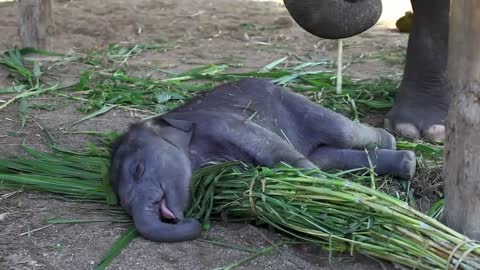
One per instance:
(176, 131)
(183, 125)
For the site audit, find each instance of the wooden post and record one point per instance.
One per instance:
(462, 149)
(35, 23)
(339, 66)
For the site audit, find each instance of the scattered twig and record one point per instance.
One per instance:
(29, 232)
(8, 195)
(45, 130)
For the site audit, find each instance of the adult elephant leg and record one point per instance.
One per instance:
(401, 164)
(421, 104)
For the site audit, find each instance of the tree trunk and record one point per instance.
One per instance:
(462, 149)
(35, 23)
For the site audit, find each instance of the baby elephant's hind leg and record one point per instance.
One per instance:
(325, 127)
(386, 162)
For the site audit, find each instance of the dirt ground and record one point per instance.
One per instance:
(248, 33)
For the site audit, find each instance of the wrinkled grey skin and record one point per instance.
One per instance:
(421, 104)
(335, 19)
(251, 120)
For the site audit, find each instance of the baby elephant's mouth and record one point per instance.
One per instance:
(164, 213)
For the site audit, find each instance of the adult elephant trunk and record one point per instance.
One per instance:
(335, 19)
(146, 215)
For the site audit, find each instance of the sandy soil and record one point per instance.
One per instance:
(249, 33)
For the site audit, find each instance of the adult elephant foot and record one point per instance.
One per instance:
(419, 114)
(334, 19)
(421, 105)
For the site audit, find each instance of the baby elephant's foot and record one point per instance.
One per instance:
(385, 139)
(398, 163)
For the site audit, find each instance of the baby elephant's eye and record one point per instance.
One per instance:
(138, 171)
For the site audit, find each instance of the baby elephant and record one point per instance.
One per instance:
(251, 120)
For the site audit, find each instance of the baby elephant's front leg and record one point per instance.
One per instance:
(269, 149)
(276, 151)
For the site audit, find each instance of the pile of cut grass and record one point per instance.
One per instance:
(333, 210)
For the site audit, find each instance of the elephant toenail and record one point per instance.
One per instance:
(435, 133)
(407, 130)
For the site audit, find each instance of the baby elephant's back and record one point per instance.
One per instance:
(244, 96)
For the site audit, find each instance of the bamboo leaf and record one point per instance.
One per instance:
(23, 112)
(437, 209)
(102, 111)
(118, 246)
(12, 89)
(273, 64)
(36, 73)
(30, 50)
(29, 93)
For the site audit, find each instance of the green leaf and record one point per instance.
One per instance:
(273, 64)
(30, 50)
(13, 60)
(312, 64)
(111, 197)
(103, 110)
(117, 247)
(249, 258)
(429, 149)
(163, 97)
(36, 73)
(45, 106)
(437, 209)
(377, 104)
(83, 82)
(23, 111)
(12, 89)
(29, 93)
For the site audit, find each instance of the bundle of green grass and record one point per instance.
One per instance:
(334, 211)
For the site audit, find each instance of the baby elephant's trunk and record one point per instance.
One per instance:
(150, 226)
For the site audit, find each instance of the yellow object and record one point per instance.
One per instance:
(404, 24)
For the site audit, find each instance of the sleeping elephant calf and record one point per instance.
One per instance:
(251, 120)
